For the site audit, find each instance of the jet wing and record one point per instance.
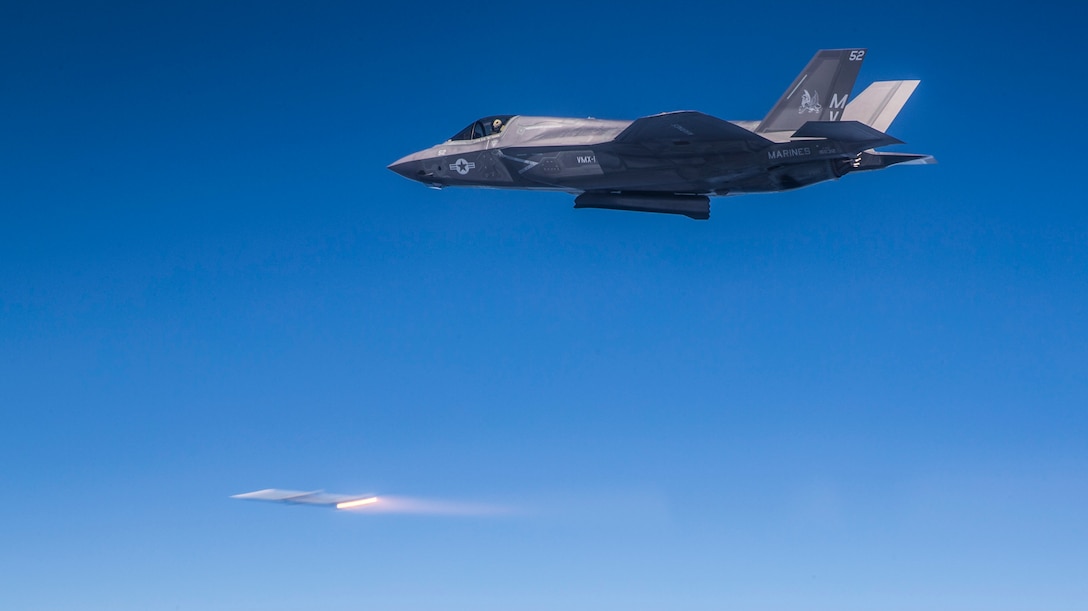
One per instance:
(317, 497)
(688, 131)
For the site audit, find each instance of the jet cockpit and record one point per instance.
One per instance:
(482, 128)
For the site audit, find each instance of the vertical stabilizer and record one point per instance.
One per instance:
(819, 93)
(879, 104)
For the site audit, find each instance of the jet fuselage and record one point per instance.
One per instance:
(673, 162)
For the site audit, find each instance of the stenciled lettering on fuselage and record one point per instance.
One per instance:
(461, 166)
(587, 159)
(788, 153)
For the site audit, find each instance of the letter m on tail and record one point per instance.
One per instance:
(836, 105)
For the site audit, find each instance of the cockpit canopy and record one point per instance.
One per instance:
(483, 128)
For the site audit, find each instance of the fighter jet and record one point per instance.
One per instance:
(674, 162)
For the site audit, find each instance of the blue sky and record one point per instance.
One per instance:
(864, 394)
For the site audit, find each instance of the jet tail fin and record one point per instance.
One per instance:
(880, 103)
(819, 93)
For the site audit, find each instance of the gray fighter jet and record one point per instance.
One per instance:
(673, 162)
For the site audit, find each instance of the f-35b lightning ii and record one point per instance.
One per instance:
(673, 162)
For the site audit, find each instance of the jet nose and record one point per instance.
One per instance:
(408, 168)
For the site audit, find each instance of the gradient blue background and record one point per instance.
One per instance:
(867, 394)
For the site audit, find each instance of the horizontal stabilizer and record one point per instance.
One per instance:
(879, 104)
(848, 132)
(680, 130)
(691, 206)
(878, 161)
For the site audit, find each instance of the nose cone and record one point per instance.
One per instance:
(408, 168)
